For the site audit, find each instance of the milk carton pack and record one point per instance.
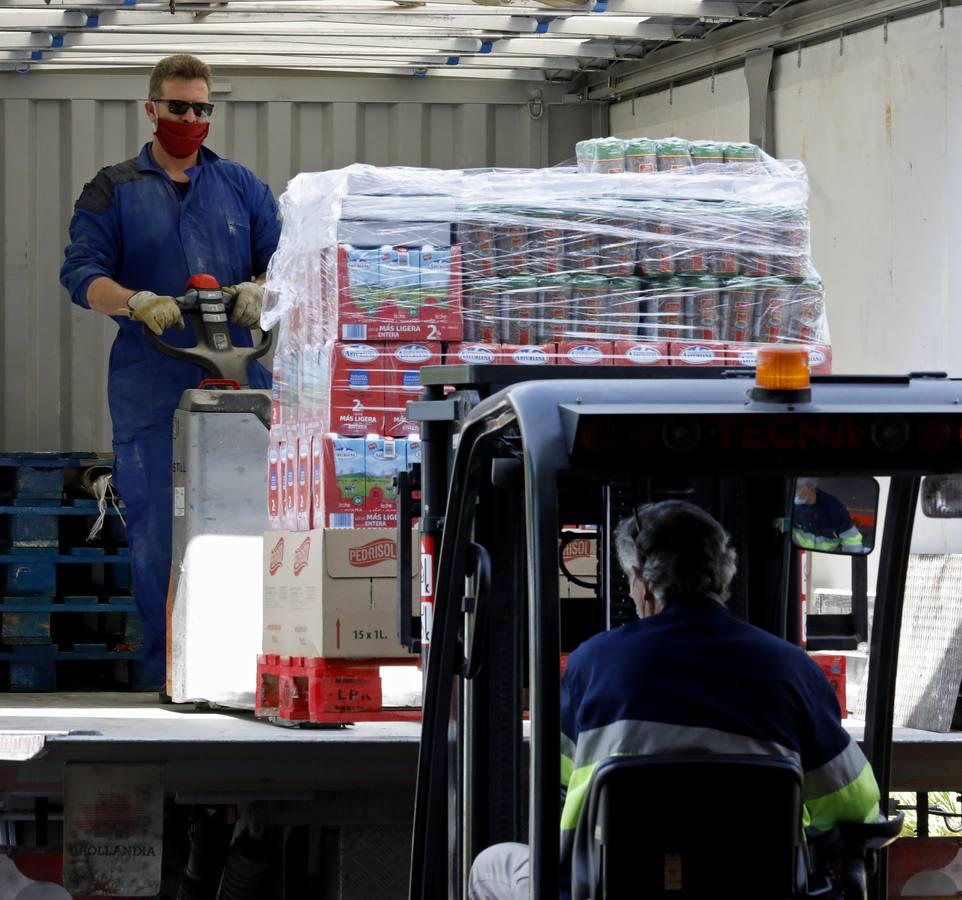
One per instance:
(383, 457)
(274, 486)
(413, 453)
(400, 270)
(303, 486)
(344, 480)
(402, 382)
(357, 389)
(360, 298)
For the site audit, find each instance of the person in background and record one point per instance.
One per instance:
(820, 521)
(689, 676)
(140, 229)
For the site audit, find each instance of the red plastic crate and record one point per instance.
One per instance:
(328, 692)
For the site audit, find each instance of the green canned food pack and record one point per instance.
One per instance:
(707, 153)
(590, 293)
(601, 155)
(641, 155)
(666, 309)
(673, 155)
(741, 303)
(556, 306)
(520, 303)
(624, 295)
(741, 153)
(706, 312)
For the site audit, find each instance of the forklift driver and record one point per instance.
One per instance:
(821, 521)
(689, 676)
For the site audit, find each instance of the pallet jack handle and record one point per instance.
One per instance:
(208, 305)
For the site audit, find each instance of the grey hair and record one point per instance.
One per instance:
(678, 549)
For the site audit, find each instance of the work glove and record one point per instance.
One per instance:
(248, 298)
(158, 313)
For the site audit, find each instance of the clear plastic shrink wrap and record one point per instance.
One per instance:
(649, 253)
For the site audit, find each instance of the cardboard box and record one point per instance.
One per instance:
(331, 593)
(743, 356)
(707, 353)
(357, 389)
(585, 353)
(344, 485)
(581, 560)
(640, 353)
(402, 382)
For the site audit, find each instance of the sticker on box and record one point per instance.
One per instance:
(640, 353)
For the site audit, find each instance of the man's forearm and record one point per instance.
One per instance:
(108, 297)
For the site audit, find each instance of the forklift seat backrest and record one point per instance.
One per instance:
(691, 826)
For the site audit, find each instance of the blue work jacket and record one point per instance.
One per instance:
(133, 225)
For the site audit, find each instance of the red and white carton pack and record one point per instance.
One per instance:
(357, 389)
(303, 486)
(743, 356)
(585, 353)
(472, 354)
(698, 353)
(274, 486)
(402, 382)
(317, 480)
(344, 485)
(528, 354)
(640, 353)
(746, 356)
(377, 300)
(580, 558)
(289, 448)
(383, 458)
(820, 359)
(442, 308)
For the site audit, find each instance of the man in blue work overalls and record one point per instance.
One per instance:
(139, 231)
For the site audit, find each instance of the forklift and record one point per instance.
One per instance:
(512, 458)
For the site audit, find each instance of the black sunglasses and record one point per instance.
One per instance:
(180, 107)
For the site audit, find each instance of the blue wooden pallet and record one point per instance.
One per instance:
(40, 476)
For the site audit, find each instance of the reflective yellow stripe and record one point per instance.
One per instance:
(858, 801)
(578, 786)
(567, 767)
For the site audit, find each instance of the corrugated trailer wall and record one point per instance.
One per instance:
(875, 117)
(58, 130)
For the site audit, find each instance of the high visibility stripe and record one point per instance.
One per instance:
(567, 767)
(641, 738)
(851, 537)
(858, 801)
(567, 747)
(577, 794)
(633, 737)
(838, 772)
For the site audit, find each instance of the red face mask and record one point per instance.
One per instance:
(181, 139)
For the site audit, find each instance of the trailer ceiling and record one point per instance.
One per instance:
(558, 41)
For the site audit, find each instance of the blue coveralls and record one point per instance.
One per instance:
(133, 225)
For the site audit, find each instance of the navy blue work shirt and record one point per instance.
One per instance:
(132, 224)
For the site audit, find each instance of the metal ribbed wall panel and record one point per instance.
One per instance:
(58, 130)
